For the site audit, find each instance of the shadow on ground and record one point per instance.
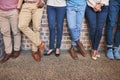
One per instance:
(63, 68)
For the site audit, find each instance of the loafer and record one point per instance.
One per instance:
(5, 58)
(72, 53)
(81, 48)
(15, 54)
(36, 56)
(41, 48)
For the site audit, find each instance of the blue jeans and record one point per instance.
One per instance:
(96, 22)
(75, 16)
(114, 9)
(55, 22)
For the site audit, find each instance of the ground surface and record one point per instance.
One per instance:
(62, 68)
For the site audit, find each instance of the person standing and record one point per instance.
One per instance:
(31, 10)
(9, 10)
(113, 45)
(56, 10)
(96, 13)
(75, 16)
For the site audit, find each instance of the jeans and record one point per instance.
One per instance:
(96, 22)
(55, 22)
(114, 8)
(75, 16)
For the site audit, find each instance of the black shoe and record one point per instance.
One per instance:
(57, 54)
(46, 54)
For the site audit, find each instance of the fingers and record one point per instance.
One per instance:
(97, 8)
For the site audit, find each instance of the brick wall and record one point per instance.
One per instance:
(66, 41)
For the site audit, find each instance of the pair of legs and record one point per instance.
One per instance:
(8, 23)
(30, 12)
(75, 16)
(96, 21)
(114, 11)
(55, 22)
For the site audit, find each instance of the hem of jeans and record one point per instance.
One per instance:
(34, 51)
(8, 53)
(52, 48)
(109, 45)
(76, 40)
(16, 49)
(94, 49)
(115, 47)
(73, 45)
(57, 48)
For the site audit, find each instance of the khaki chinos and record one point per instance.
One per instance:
(8, 23)
(30, 12)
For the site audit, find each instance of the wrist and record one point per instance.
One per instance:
(102, 4)
(18, 9)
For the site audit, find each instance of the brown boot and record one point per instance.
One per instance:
(72, 53)
(81, 47)
(41, 48)
(36, 56)
(15, 54)
(5, 58)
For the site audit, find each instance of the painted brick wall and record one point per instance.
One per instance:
(66, 41)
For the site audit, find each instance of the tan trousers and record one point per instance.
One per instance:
(31, 12)
(8, 23)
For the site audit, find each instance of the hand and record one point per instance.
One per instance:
(40, 4)
(97, 8)
(18, 10)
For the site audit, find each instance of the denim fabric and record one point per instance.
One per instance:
(114, 8)
(96, 22)
(75, 2)
(55, 22)
(75, 16)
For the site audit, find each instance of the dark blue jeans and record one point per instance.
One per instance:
(55, 22)
(96, 22)
(114, 11)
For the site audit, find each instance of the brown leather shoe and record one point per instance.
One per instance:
(81, 47)
(41, 48)
(36, 56)
(15, 54)
(5, 58)
(72, 53)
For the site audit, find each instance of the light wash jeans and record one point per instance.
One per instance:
(75, 16)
